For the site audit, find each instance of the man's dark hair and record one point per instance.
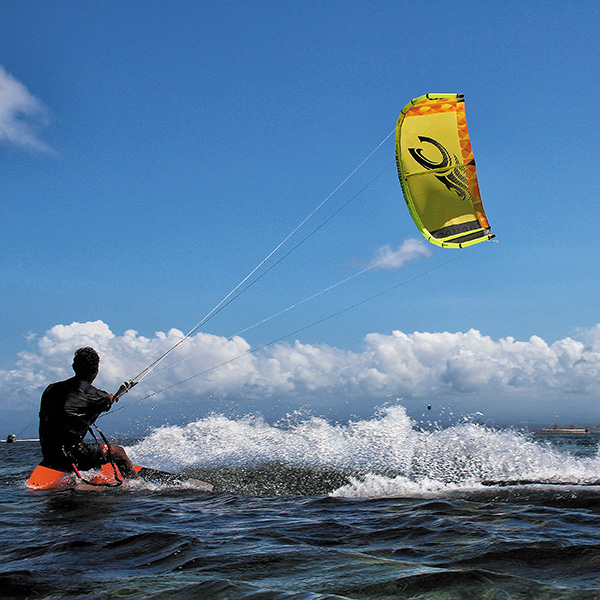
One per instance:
(85, 362)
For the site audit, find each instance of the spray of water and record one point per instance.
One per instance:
(387, 455)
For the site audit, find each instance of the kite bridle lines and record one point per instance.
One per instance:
(231, 296)
(301, 329)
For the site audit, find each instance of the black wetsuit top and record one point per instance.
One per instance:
(67, 410)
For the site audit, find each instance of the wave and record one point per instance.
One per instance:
(386, 455)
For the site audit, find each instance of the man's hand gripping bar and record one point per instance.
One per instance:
(125, 387)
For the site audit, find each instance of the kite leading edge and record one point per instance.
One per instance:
(437, 172)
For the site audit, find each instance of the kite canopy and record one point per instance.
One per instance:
(437, 171)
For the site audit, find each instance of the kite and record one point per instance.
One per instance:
(437, 172)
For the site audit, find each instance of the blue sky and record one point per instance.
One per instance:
(152, 154)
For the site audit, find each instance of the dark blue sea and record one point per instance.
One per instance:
(308, 509)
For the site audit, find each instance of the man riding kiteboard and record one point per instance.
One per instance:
(68, 409)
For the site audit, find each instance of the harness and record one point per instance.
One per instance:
(108, 459)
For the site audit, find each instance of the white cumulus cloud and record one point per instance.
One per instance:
(22, 115)
(390, 258)
(469, 368)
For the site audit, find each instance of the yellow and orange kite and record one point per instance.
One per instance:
(437, 171)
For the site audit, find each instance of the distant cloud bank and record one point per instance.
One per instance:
(418, 366)
(21, 115)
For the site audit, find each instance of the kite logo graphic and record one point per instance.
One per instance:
(454, 178)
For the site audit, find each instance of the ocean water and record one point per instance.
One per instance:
(309, 509)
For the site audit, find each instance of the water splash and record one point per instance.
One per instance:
(386, 455)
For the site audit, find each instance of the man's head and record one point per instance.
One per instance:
(85, 363)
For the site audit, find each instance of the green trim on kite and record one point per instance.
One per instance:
(459, 97)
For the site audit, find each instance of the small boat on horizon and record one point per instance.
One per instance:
(570, 429)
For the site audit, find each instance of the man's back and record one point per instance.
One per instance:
(67, 409)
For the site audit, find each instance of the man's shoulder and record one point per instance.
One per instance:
(59, 386)
(93, 392)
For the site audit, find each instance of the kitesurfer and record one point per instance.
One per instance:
(67, 410)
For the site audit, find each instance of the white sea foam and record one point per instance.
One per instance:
(386, 455)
